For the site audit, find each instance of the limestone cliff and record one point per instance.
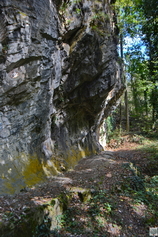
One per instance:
(59, 78)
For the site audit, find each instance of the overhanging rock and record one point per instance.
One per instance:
(60, 76)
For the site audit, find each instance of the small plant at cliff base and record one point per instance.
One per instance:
(98, 19)
(111, 131)
(5, 48)
(100, 16)
(151, 148)
(43, 230)
(88, 218)
(78, 10)
(141, 191)
(66, 4)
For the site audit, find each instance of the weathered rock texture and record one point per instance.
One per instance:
(59, 78)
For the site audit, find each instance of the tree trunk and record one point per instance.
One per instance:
(146, 102)
(126, 111)
(126, 95)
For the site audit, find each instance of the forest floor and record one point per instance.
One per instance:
(115, 193)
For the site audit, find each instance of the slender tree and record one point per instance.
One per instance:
(150, 31)
(138, 19)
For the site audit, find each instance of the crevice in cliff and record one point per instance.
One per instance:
(22, 62)
(48, 36)
(70, 35)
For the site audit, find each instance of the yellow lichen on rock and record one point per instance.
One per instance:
(75, 155)
(33, 172)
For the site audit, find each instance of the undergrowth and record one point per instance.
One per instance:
(129, 205)
(106, 213)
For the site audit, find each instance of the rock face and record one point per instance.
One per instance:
(59, 77)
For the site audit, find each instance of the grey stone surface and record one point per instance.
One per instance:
(59, 78)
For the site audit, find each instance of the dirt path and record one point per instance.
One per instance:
(110, 173)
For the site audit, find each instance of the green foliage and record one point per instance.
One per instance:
(138, 19)
(70, 222)
(100, 204)
(4, 48)
(60, 220)
(110, 125)
(129, 19)
(78, 10)
(66, 4)
(150, 31)
(43, 230)
(147, 195)
(100, 15)
(98, 19)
